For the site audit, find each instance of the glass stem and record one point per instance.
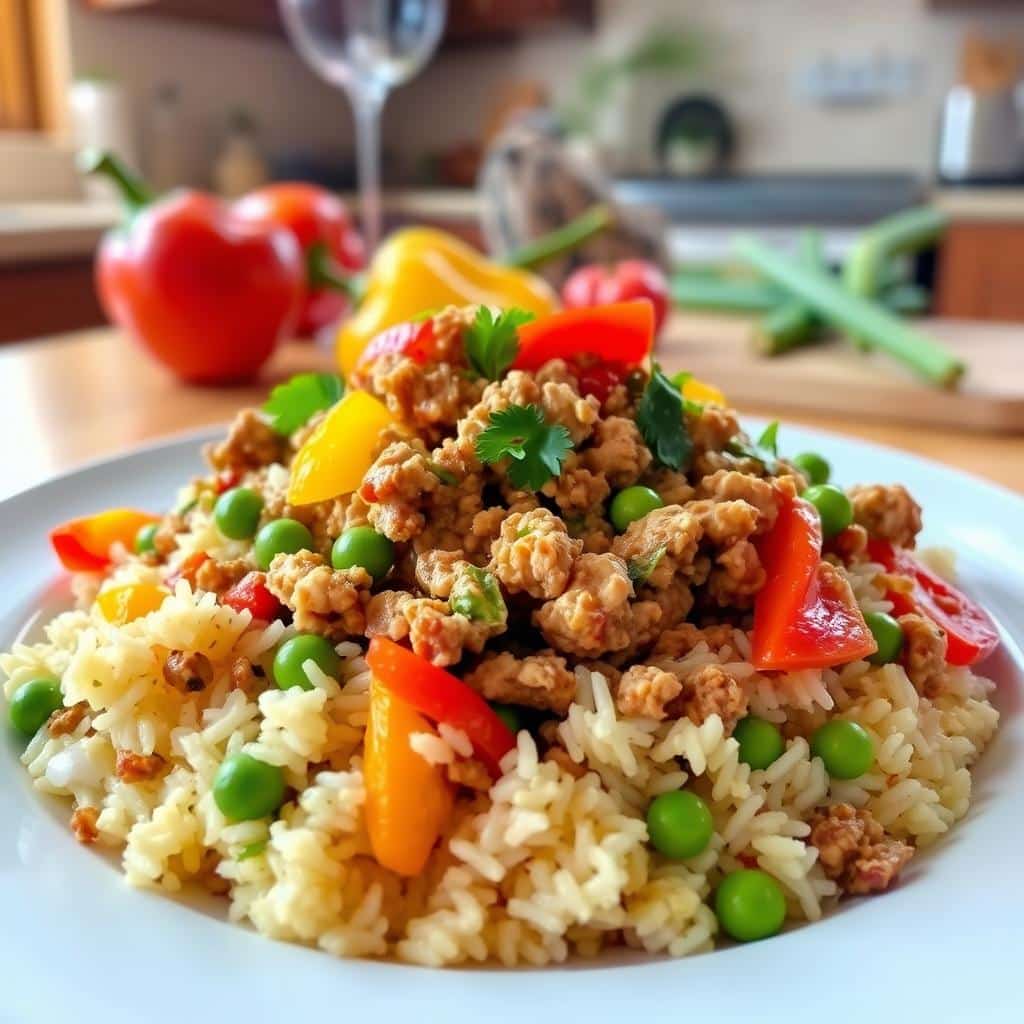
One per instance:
(367, 104)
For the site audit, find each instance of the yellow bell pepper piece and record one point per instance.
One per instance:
(408, 800)
(418, 269)
(336, 456)
(697, 391)
(130, 601)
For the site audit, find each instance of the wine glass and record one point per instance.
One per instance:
(366, 47)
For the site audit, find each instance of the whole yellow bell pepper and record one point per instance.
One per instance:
(336, 456)
(130, 601)
(418, 269)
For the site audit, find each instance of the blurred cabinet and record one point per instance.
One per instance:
(47, 298)
(979, 273)
(469, 21)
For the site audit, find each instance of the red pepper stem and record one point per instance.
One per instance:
(135, 193)
(557, 243)
(323, 272)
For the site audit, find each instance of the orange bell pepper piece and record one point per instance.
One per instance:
(130, 601)
(336, 456)
(408, 801)
(83, 545)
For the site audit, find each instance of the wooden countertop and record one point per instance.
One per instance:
(91, 394)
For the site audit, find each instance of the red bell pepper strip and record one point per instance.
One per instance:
(188, 569)
(250, 594)
(802, 619)
(442, 698)
(413, 339)
(84, 545)
(597, 284)
(622, 332)
(970, 632)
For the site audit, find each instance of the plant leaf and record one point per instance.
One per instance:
(293, 403)
(660, 419)
(492, 342)
(537, 448)
(764, 450)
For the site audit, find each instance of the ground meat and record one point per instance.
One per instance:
(395, 488)
(244, 676)
(618, 451)
(576, 490)
(673, 488)
(850, 545)
(437, 570)
(712, 428)
(470, 774)
(854, 850)
(324, 519)
(737, 576)
(517, 388)
(673, 531)
(188, 671)
(66, 720)
(680, 640)
(675, 601)
(83, 824)
(710, 690)
(132, 767)
(327, 601)
(557, 371)
(887, 511)
(534, 553)
(728, 486)
(449, 512)
(542, 681)
(594, 614)
(645, 690)
(594, 531)
(563, 404)
(384, 614)
(441, 636)
(924, 653)
(560, 756)
(217, 577)
(165, 540)
(250, 444)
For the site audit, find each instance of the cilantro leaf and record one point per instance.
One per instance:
(293, 403)
(535, 447)
(764, 450)
(492, 342)
(660, 419)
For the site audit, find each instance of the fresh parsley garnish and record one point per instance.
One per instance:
(640, 569)
(293, 403)
(535, 448)
(660, 419)
(492, 342)
(764, 450)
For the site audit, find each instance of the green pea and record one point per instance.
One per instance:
(833, 506)
(750, 905)
(510, 715)
(32, 703)
(888, 635)
(813, 466)
(631, 504)
(280, 536)
(245, 788)
(761, 743)
(845, 747)
(145, 539)
(364, 546)
(295, 652)
(237, 513)
(679, 824)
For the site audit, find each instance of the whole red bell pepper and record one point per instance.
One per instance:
(333, 248)
(206, 292)
(442, 698)
(598, 285)
(970, 632)
(622, 333)
(802, 617)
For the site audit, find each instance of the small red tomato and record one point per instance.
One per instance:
(597, 285)
(600, 379)
(250, 594)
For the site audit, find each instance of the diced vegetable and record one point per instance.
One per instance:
(888, 636)
(408, 800)
(245, 788)
(364, 546)
(679, 824)
(32, 703)
(858, 316)
(441, 697)
(414, 338)
(845, 748)
(291, 657)
(631, 504)
(145, 539)
(750, 905)
(280, 536)
(250, 594)
(833, 506)
(131, 601)
(237, 513)
(476, 594)
(761, 743)
(622, 332)
(813, 466)
(84, 545)
(971, 635)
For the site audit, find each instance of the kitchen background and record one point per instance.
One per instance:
(833, 117)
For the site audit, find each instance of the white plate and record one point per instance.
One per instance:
(77, 944)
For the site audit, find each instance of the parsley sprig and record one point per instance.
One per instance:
(660, 419)
(293, 403)
(492, 342)
(764, 450)
(535, 448)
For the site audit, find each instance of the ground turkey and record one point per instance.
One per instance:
(887, 511)
(542, 680)
(648, 691)
(325, 600)
(534, 554)
(854, 850)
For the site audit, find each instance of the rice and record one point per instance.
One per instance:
(550, 863)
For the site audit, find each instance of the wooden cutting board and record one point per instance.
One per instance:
(833, 377)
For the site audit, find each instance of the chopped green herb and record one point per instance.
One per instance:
(764, 450)
(293, 403)
(442, 474)
(660, 419)
(476, 594)
(536, 449)
(640, 569)
(252, 850)
(492, 342)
